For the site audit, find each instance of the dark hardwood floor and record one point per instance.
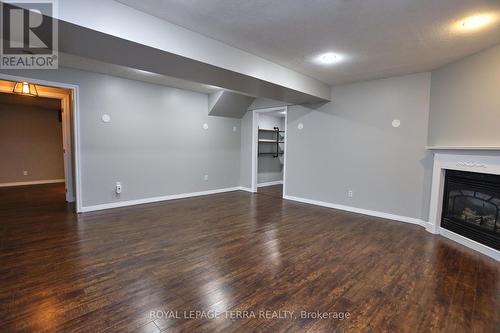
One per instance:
(273, 191)
(106, 271)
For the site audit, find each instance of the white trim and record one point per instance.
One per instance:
(388, 216)
(486, 250)
(429, 227)
(33, 182)
(462, 147)
(483, 163)
(277, 182)
(246, 189)
(255, 157)
(156, 199)
(78, 160)
(75, 127)
(285, 152)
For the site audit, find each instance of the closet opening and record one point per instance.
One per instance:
(269, 158)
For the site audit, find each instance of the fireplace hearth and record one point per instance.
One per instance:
(471, 206)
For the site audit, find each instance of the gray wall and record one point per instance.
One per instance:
(269, 169)
(465, 101)
(350, 144)
(30, 140)
(154, 145)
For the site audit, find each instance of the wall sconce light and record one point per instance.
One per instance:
(25, 88)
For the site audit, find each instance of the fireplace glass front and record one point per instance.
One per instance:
(471, 206)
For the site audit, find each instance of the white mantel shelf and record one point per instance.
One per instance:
(462, 147)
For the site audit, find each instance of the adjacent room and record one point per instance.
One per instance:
(32, 144)
(246, 166)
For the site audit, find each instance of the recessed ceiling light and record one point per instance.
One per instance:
(328, 58)
(476, 22)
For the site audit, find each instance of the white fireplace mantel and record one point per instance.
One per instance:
(482, 162)
(492, 148)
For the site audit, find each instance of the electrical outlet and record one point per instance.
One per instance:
(350, 194)
(118, 187)
(25, 173)
(205, 177)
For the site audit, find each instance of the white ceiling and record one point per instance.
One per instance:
(378, 38)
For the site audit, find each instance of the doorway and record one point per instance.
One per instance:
(38, 140)
(269, 151)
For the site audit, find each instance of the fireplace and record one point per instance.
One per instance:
(471, 206)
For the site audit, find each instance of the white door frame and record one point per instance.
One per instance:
(70, 123)
(255, 135)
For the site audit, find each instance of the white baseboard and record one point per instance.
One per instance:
(277, 182)
(431, 228)
(359, 210)
(154, 199)
(246, 189)
(33, 182)
(486, 250)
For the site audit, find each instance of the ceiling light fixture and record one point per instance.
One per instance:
(475, 22)
(25, 88)
(328, 58)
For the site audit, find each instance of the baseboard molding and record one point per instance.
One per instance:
(34, 182)
(359, 210)
(246, 189)
(119, 204)
(277, 182)
(429, 227)
(486, 250)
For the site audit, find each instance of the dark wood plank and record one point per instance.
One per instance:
(273, 191)
(106, 271)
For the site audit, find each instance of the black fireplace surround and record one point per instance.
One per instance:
(471, 206)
